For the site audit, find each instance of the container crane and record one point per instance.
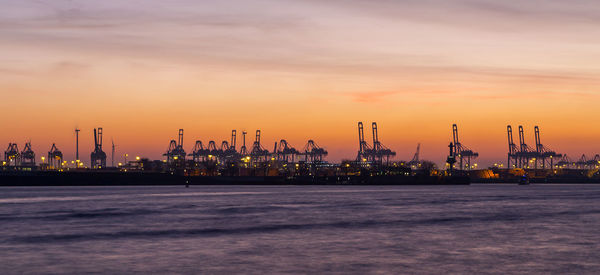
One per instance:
(12, 154)
(415, 162)
(544, 154)
(380, 151)
(258, 153)
(175, 153)
(526, 154)
(285, 152)
(55, 157)
(313, 153)
(364, 150)
(463, 152)
(512, 149)
(27, 156)
(98, 157)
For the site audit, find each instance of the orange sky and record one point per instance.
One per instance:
(301, 70)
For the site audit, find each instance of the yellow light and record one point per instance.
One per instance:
(137, 158)
(175, 158)
(120, 164)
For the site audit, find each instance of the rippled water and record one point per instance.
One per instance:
(301, 229)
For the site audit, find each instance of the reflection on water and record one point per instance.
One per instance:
(303, 229)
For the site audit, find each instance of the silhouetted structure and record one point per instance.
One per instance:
(451, 159)
(55, 157)
(463, 152)
(543, 154)
(376, 154)
(199, 154)
(175, 153)
(77, 143)
(258, 154)
(523, 155)
(380, 152)
(12, 155)
(27, 156)
(313, 153)
(98, 157)
(415, 162)
(364, 150)
(284, 152)
(512, 149)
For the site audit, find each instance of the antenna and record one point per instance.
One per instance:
(77, 143)
(112, 156)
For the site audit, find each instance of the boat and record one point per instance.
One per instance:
(524, 180)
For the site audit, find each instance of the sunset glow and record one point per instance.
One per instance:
(300, 70)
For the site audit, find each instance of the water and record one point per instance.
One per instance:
(301, 229)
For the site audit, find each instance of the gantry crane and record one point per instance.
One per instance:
(364, 150)
(285, 152)
(258, 153)
(415, 162)
(175, 153)
(55, 157)
(12, 155)
(98, 157)
(313, 153)
(462, 151)
(544, 155)
(512, 149)
(243, 149)
(27, 155)
(526, 154)
(380, 151)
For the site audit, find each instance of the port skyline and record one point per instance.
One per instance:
(336, 154)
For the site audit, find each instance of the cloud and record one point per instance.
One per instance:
(480, 14)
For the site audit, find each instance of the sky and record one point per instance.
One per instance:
(300, 70)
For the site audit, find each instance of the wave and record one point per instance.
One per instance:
(355, 225)
(66, 215)
(104, 197)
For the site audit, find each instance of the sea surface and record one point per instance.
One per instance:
(473, 229)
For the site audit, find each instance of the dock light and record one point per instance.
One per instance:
(120, 164)
(43, 159)
(137, 158)
(175, 158)
(210, 156)
(4, 163)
